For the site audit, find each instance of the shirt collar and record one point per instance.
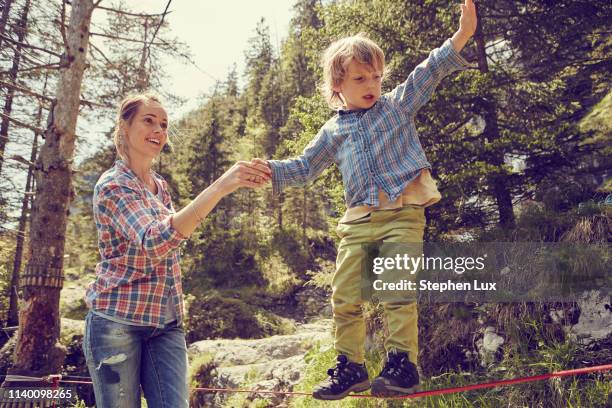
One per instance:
(342, 111)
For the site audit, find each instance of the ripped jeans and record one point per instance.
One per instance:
(121, 358)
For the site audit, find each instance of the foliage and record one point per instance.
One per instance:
(214, 316)
(591, 390)
(533, 126)
(6, 267)
(201, 374)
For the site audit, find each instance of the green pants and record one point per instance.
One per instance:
(400, 225)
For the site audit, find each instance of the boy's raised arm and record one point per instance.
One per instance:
(418, 88)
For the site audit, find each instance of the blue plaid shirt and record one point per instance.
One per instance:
(374, 148)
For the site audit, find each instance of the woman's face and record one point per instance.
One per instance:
(148, 132)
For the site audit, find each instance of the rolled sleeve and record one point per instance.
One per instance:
(418, 88)
(278, 176)
(454, 58)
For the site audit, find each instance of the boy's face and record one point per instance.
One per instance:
(360, 88)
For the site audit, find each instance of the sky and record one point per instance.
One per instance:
(217, 32)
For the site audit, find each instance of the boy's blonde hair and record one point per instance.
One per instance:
(339, 55)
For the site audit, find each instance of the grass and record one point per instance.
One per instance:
(599, 120)
(590, 390)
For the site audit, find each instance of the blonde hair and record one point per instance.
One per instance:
(339, 55)
(127, 110)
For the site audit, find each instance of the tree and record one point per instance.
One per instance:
(520, 111)
(13, 318)
(21, 30)
(6, 10)
(38, 352)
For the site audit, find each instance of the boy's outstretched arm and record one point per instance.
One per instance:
(418, 88)
(317, 156)
(467, 25)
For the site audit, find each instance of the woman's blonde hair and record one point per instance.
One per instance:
(339, 55)
(127, 110)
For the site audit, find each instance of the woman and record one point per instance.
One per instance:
(134, 330)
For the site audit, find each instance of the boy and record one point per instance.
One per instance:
(387, 183)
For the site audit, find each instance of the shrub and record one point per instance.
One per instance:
(201, 374)
(214, 316)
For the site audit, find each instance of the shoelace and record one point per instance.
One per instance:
(342, 372)
(391, 369)
(396, 368)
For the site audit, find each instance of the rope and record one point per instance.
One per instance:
(56, 379)
(441, 391)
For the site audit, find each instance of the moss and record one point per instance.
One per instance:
(214, 316)
(77, 309)
(599, 120)
(201, 374)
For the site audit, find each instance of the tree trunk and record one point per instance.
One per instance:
(38, 352)
(304, 216)
(498, 181)
(142, 82)
(6, 10)
(281, 200)
(13, 318)
(10, 93)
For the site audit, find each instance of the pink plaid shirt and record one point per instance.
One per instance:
(139, 271)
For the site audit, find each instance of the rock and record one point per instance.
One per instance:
(595, 321)
(273, 363)
(252, 351)
(557, 316)
(313, 302)
(492, 341)
(233, 377)
(488, 346)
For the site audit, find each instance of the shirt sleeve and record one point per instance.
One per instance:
(418, 88)
(317, 156)
(126, 212)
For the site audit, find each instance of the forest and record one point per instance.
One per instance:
(520, 146)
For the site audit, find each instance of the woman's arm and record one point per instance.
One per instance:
(241, 174)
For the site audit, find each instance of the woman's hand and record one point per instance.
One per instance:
(264, 163)
(255, 173)
(245, 174)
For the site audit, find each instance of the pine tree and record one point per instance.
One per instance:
(38, 352)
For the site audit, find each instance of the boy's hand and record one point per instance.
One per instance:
(467, 25)
(263, 165)
(468, 20)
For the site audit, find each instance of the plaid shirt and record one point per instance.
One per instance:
(138, 246)
(374, 148)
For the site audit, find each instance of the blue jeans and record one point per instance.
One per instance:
(121, 358)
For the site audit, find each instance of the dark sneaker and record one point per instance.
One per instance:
(345, 378)
(398, 377)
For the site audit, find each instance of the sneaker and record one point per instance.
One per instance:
(398, 377)
(345, 378)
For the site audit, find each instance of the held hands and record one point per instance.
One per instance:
(255, 173)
